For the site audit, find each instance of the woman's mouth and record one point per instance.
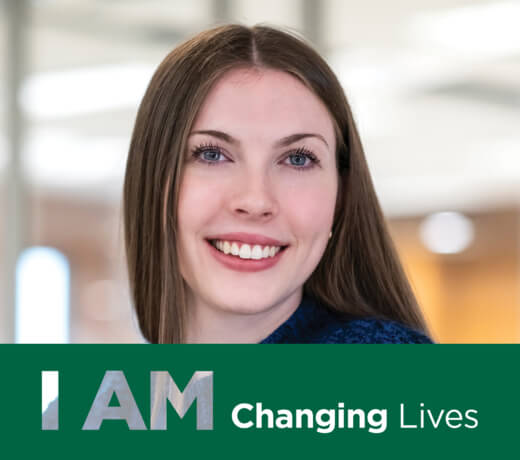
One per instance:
(246, 251)
(245, 257)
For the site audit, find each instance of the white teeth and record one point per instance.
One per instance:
(226, 247)
(256, 253)
(245, 251)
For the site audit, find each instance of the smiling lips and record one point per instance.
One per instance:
(246, 252)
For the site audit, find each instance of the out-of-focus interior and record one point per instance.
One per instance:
(435, 89)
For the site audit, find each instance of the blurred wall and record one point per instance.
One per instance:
(436, 101)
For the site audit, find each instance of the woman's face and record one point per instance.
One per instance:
(260, 178)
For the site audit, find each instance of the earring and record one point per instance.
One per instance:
(330, 235)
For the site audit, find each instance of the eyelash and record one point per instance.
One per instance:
(301, 151)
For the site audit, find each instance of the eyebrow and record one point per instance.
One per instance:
(283, 142)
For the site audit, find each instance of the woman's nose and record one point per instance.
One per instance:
(254, 196)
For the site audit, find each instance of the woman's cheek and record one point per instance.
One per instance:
(200, 190)
(312, 206)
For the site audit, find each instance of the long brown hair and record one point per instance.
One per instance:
(359, 273)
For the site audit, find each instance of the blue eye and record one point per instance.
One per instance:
(211, 155)
(298, 159)
(208, 154)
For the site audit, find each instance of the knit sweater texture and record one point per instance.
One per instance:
(313, 323)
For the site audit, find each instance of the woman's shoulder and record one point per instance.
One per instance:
(314, 323)
(370, 330)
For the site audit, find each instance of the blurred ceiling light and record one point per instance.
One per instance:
(83, 91)
(447, 232)
(42, 296)
(58, 159)
(479, 31)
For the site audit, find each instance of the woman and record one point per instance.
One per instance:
(250, 215)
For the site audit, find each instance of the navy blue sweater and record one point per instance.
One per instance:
(312, 323)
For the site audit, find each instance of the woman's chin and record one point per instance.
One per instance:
(244, 305)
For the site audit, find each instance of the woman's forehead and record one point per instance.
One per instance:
(263, 101)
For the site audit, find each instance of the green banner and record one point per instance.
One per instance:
(260, 401)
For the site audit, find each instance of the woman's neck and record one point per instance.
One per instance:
(213, 324)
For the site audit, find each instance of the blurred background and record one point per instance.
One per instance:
(435, 89)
